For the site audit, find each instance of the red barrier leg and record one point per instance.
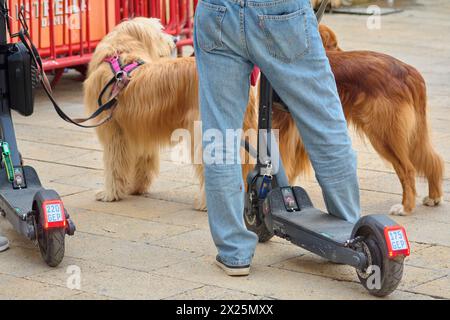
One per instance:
(58, 75)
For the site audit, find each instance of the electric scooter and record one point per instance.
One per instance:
(34, 212)
(375, 245)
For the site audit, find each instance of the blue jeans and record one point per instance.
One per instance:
(282, 38)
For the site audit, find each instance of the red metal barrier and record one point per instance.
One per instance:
(176, 17)
(66, 32)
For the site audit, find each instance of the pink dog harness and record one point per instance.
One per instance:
(121, 75)
(118, 82)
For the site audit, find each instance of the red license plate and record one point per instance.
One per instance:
(54, 214)
(397, 241)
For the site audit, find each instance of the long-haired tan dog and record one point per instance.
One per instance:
(162, 97)
(159, 99)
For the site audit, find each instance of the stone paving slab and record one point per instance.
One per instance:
(437, 288)
(301, 285)
(311, 264)
(124, 253)
(19, 288)
(108, 281)
(125, 228)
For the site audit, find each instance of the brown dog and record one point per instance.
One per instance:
(162, 97)
(384, 99)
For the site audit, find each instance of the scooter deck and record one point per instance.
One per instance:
(20, 199)
(310, 228)
(308, 219)
(312, 220)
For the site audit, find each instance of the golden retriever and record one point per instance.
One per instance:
(163, 97)
(385, 100)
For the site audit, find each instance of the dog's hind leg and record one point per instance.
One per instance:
(406, 175)
(200, 201)
(145, 171)
(430, 164)
(116, 158)
(398, 157)
(434, 176)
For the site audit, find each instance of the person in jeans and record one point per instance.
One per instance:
(4, 244)
(281, 37)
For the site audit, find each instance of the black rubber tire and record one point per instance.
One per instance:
(51, 243)
(261, 231)
(391, 270)
(256, 225)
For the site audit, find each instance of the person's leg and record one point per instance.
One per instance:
(285, 43)
(224, 91)
(4, 244)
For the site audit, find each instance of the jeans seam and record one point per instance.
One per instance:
(270, 48)
(242, 31)
(218, 43)
(255, 4)
(283, 17)
(236, 263)
(214, 7)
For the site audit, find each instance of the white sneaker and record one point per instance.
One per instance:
(4, 244)
(233, 271)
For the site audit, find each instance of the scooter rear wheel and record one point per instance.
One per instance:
(51, 243)
(389, 271)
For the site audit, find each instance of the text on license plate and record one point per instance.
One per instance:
(54, 212)
(398, 240)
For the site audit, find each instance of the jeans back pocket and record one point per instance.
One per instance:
(208, 25)
(286, 35)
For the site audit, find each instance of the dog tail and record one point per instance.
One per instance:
(426, 160)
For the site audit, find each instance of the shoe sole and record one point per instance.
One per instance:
(4, 247)
(234, 272)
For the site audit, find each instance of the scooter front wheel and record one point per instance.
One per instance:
(254, 223)
(382, 275)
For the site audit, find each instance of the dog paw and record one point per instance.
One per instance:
(432, 202)
(106, 196)
(140, 193)
(398, 210)
(200, 205)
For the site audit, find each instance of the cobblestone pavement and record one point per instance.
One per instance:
(158, 247)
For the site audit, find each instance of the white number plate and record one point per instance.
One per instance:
(54, 212)
(398, 240)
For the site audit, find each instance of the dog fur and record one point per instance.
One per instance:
(391, 114)
(163, 96)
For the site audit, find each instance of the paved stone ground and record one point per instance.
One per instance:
(158, 247)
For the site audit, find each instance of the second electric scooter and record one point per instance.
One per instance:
(34, 212)
(375, 245)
